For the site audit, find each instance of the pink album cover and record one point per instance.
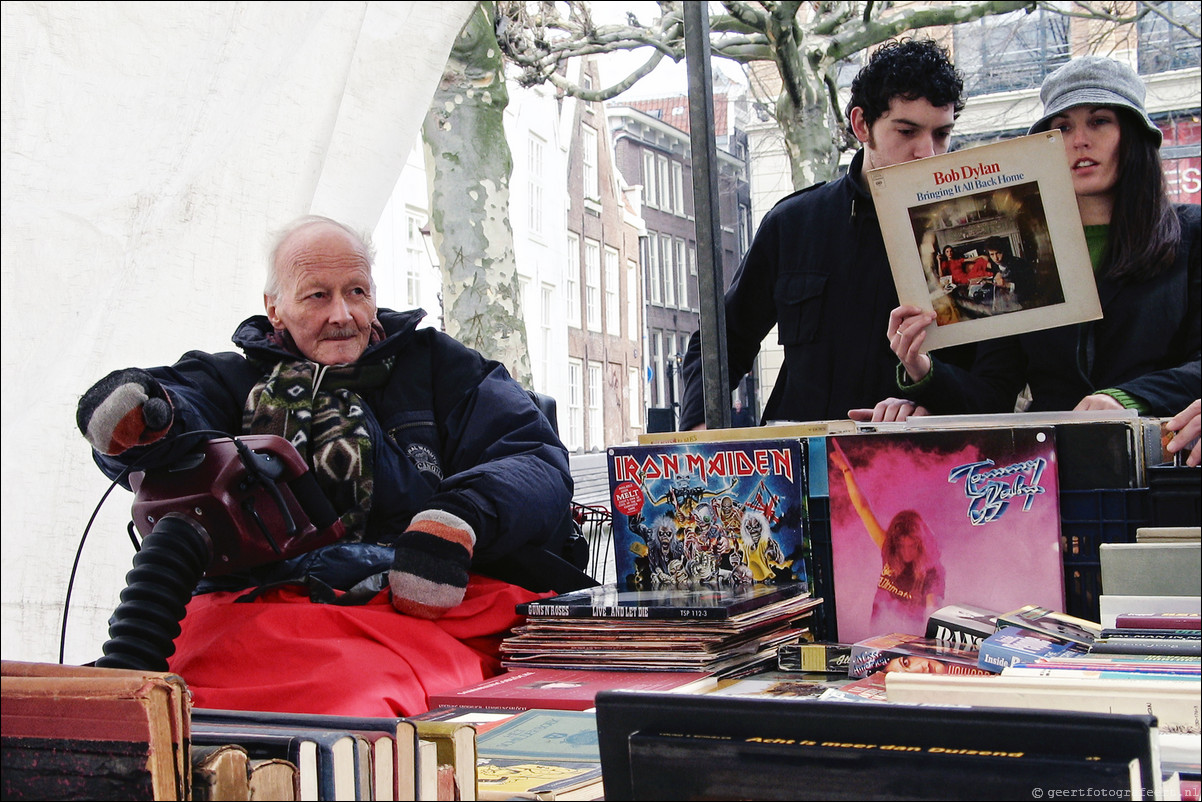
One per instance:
(922, 519)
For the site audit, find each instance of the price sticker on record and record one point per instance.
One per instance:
(628, 498)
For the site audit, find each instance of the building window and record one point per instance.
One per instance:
(415, 260)
(573, 282)
(662, 184)
(596, 417)
(1010, 51)
(575, 438)
(653, 272)
(588, 153)
(657, 367)
(1164, 41)
(632, 301)
(650, 192)
(680, 272)
(669, 270)
(592, 284)
(613, 311)
(678, 188)
(534, 172)
(546, 335)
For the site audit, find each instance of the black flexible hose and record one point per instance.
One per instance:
(143, 628)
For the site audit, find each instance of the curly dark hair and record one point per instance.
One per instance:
(908, 68)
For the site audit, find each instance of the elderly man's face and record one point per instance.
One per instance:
(325, 296)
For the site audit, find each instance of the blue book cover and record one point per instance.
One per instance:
(709, 514)
(1012, 645)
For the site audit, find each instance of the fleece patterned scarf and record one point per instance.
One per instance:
(319, 410)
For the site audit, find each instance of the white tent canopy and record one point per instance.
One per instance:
(149, 152)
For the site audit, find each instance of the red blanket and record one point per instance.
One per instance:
(282, 652)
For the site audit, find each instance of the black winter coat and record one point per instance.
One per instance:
(448, 420)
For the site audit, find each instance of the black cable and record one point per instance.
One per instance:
(132, 467)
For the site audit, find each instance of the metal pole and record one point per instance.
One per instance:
(715, 372)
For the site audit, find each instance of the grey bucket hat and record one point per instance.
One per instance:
(1094, 81)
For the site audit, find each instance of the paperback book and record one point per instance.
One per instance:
(1011, 645)
(914, 653)
(987, 238)
(964, 625)
(709, 515)
(966, 514)
(1058, 625)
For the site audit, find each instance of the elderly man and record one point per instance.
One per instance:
(438, 463)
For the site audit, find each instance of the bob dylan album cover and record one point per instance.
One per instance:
(989, 238)
(926, 519)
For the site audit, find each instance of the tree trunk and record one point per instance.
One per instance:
(468, 166)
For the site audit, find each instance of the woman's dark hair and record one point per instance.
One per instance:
(1144, 229)
(910, 69)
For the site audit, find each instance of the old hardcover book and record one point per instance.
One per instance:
(326, 760)
(220, 773)
(1176, 704)
(456, 747)
(1008, 210)
(556, 735)
(709, 515)
(531, 779)
(538, 744)
(944, 513)
(180, 698)
(93, 735)
(273, 779)
(964, 625)
(562, 689)
(901, 652)
(401, 731)
(1045, 735)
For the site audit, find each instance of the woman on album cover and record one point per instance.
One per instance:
(912, 579)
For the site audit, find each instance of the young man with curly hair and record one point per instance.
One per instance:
(817, 267)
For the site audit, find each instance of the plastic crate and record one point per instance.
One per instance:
(1089, 518)
(1176, 495)
(820, 567)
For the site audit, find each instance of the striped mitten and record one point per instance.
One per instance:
(126, 408)
(430, 569)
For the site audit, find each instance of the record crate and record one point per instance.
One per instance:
(1089, 518)
(822, 580)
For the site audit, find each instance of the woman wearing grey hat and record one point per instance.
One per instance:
(1144, 352)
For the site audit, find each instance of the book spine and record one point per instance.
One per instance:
(1159, 621)
(1147, 646)
(1149, 632)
